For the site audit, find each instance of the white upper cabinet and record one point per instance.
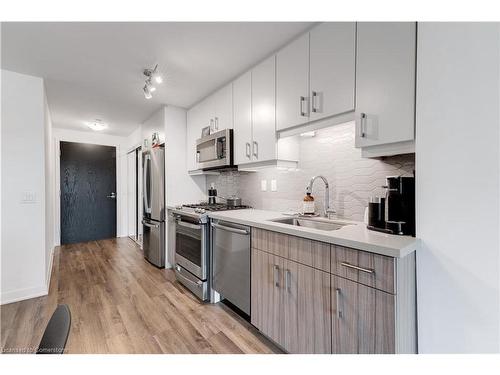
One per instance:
(264, 110)
(332, 69)
(242, 107)
(385, 83)
(223, 108)
(292, 84)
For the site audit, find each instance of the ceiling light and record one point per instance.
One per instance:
(157, 77)
(147, 92)
(151, 74)
(150, 85)
(97, 125)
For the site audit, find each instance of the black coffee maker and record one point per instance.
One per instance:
(399, 206)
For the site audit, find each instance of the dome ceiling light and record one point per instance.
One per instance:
(97, 125)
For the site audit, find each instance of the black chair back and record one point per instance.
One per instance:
(56, 333)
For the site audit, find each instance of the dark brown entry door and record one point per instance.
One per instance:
(88, 192)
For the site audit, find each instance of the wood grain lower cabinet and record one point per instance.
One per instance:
(291, 303)
(313, 297)
(307, 309)
(267, 297)
(363, 319)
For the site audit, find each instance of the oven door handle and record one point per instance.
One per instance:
(188, 225)
(229, 229)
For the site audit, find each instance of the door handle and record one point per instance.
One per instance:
(303, 100)
(288, 280)
(337, 298)
(150, 225)
(362, 122)
(112, 195)
(313, 102)
(229, 229)
(276, 276)
(349, 265)
(247, 145)
(144, 184)
(255, 149)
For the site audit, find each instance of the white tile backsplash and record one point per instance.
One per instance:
(330, 153)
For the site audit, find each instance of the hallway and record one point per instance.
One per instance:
(122, 304)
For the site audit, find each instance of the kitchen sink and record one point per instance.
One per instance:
(320, 224)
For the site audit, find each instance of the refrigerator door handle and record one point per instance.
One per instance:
(150, 225)
(144, 184)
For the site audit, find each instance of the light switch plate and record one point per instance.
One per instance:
(263, 185)
(274, 185)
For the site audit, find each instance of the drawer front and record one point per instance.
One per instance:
(373, 270)
(271, 242)
(301, 250)
(311, 253)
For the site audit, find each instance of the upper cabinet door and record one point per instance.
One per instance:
(264, 110)
(332, 69)
(242, 108)
(223, 108)
(385, 82)
(292, 84)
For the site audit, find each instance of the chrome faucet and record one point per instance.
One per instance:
(328, 211)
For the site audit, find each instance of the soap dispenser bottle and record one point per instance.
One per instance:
(308, 204)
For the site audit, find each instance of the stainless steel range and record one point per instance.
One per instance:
(192, 246)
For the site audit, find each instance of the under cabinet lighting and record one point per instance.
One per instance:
(308, 134)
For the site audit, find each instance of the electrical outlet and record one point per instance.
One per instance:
(263, 185)
(28, 197)
(274, 185)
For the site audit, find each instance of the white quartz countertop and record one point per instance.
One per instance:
(354, 235)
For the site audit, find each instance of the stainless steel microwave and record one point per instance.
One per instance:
(215, 150)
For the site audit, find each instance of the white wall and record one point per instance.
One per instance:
(91, 137)
(457, 162)
(24, 246)
(181, 188)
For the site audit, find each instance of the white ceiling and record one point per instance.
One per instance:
(94, 70)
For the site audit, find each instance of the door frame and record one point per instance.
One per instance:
(120, 201)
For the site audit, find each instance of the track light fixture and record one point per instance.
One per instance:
(151, 74)
(147, 92)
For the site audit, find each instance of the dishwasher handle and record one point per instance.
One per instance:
(230, 229)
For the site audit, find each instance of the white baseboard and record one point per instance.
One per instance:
(22, 294)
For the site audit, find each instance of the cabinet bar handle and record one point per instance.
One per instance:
(212, 126)
(247, 145)
(313, 102)
(255, 149)
(287, 280)
(216, 123)
(276, 276)
(349, 265)
(337, 299)
(362, 121)
(303, 100)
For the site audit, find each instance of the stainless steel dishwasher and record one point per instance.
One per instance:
(231, 263)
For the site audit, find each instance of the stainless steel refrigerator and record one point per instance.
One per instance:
(153, 193)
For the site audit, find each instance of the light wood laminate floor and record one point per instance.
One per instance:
(122, 304)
